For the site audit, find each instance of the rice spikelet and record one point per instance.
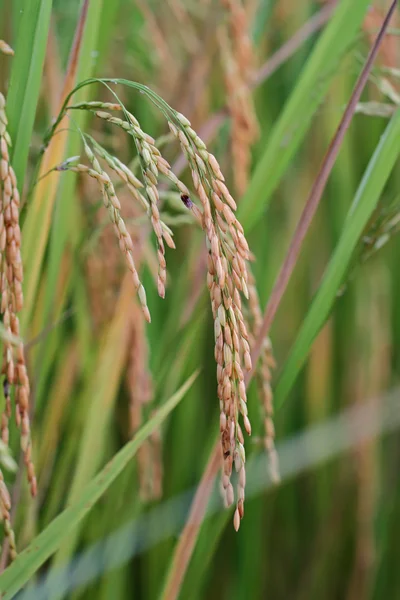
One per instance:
(140, 394)
(11, 276)
(227, 278)
(264, 367)
(6, 49)
(228, 254)
(13, 368)
(238, 66)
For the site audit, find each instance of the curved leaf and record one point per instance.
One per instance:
(47, 542)
(364, 203)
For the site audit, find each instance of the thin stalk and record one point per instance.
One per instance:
(191, 530)
(317, 191)
(208, 131)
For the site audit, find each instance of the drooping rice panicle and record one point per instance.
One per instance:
(237, 60)
(13, 364)
(264, 367)
(13, 367)
(152, 165)
(227, 277)
(113, 206)
(228, 253)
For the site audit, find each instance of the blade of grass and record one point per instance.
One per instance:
(210, 128)
(295, 119)
(41, 205)
(102, 388)
(186, 545)
(66, 226)
(26, 76)
(263, 13)
(47, 542)
(318, 190)
(363, 205)
(64, 231)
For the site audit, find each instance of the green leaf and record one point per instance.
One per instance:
(294, 121)
(41, 204)
(26, 77)
(47, 542)
(364, 203)
(64, 228)
(263, 14)
(102, 389)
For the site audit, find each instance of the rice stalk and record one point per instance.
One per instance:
(11, 276)
(228, 253)
(227, 277)
(237, 60)
(140, 387)
(264, 367)
(113, 206)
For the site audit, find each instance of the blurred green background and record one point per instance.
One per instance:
(330, 531)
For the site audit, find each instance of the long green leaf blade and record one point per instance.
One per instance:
(365, 201)
(295, 119)
(47, 542)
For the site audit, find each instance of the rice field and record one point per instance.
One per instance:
(200, 331)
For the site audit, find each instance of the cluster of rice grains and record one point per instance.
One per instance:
(152, 165)
(11, 275)
(226, 279)
(228, 275)
(237, 60)
(263, 374)
(149, 455)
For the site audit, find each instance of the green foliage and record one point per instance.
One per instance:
(50, 538)
(294, 121)
(26, 79)
(308, 538)
(364, 203)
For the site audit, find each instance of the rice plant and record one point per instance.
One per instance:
(159, 161)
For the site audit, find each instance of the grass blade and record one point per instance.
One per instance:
(47, 542)
(102, 388)
(64, 231)
(364, 203)
(26, 77)
(41, 206)
(295, 119)
(317, 191)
